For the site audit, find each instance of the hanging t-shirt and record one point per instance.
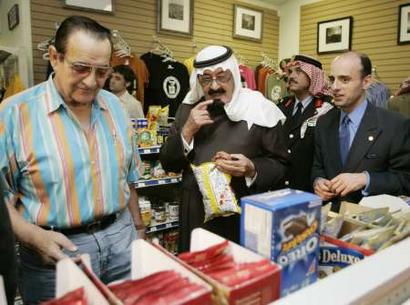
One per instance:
(275, 88)
(168, 82)
(189, 64)
(262, 74)
(249, 76)
(140, 71)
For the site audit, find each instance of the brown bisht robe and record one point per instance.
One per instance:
(264, 146)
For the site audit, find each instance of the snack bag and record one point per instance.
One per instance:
(163, 116)
(153, 114)
(218, 197)
(157, 170)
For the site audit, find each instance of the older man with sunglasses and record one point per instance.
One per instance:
(237, 128)
(68, 164)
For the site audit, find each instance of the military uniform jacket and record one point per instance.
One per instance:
(300, 144)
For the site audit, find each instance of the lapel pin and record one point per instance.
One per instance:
(371, 138)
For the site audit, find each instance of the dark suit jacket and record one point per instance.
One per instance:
(8, 263)
(298, 174)
(381, 147)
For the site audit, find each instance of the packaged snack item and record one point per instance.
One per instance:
(153, 115)
(218, 197)
(376, 241)
(199, 257)
(75, 297)
(163, 116)
(336, 254)
(157, 170)
(286, 231)
(332, 227)
(146, 165)
(371, 215)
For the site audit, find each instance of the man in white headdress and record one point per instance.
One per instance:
(237, 128)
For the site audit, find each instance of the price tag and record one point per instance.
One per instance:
(161, 181)
(168, 225)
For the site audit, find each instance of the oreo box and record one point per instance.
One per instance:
(284, 226)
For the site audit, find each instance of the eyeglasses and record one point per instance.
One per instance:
(83, 69)
(221, 78)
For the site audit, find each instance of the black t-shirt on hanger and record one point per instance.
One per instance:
(168, 82)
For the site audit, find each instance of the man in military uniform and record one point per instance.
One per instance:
(308, 101)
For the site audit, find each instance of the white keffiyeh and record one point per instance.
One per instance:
(245, 105)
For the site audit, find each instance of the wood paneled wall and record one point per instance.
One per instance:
(374, 33)
(136, 22)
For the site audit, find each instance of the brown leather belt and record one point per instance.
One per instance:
(88, 228)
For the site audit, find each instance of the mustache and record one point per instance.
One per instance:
(217, 91)
(292, 80)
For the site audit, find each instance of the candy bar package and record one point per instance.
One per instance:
(164, 287)
(75, 297)
(237, 275)
(159, 278)
(284, 226)
(336, 254)
(218, 197)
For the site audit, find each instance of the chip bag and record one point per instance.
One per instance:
(218, 197)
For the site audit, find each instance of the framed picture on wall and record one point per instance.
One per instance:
(13, 17)
(334, 35)
(247, 23)
(102, 6)
(175, 16)
(403, 31)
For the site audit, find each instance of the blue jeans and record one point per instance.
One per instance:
(109, 250)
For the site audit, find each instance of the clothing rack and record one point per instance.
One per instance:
(43, 45)
(268, 62)
(241, 59)
(121, 47)
(162, 49)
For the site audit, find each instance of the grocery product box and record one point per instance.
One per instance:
(148, 259)
(258, 290)
(69, 277)
(284, 226)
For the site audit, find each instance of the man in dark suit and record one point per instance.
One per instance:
(360, 149)
(307, 102)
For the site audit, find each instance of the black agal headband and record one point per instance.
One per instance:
(215, 60)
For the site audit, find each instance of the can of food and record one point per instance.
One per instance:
(159, 214)
(173, 209)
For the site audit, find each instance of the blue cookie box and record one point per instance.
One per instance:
(263, 230)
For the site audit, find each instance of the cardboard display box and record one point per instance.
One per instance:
(284, 227)
(70, 277)
(257, 291)
(148, 259)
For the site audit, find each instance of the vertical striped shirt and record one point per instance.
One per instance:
(56, 173)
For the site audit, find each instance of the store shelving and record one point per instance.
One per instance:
(160, 226)
(149, 150)
(159, 181)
